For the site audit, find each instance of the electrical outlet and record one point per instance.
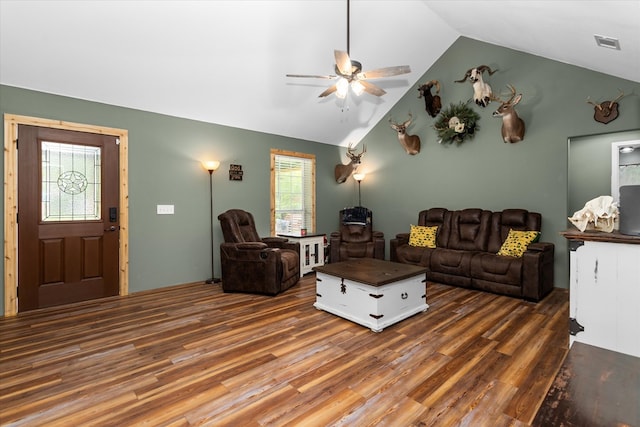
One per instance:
(165, 210)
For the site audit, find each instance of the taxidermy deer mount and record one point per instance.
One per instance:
(512, 125)
(481, 90)
(410, 143)
(432, 103)
(342, 172)
(605, 111)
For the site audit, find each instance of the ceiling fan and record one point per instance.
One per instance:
(349, 74)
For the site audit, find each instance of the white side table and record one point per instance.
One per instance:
(311, 250)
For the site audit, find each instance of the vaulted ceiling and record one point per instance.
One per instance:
(225, 62)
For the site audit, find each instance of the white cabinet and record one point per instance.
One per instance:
(604, 294)
(311, 251)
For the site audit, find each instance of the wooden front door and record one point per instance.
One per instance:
(68, 217)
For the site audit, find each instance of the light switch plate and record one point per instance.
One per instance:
(165, 209)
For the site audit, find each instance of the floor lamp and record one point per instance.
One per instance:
(359, 177)
(211, 167)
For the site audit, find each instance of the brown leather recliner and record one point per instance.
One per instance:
(356, 238)
(253, 264)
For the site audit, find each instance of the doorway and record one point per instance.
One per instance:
(66, 237)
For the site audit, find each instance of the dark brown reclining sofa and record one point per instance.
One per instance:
(467, 242)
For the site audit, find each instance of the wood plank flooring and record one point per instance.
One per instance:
(192, 355)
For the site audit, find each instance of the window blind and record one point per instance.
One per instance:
(294, 194)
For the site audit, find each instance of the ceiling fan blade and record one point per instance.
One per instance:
(371, 88)
(385, 72)
(311, 76)
(329, 91)
(343, 62)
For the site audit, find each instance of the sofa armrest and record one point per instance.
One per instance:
(537, 271)
(247, 246)
(248, 251)
(274, 240)
(379, 243)
(540, 247)
(394, 244)
(403, 238)
(334, 246)
(281, 243)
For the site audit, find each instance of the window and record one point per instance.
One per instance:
(293, 192)
(70, 182)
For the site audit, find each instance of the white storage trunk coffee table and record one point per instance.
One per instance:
(371, 292)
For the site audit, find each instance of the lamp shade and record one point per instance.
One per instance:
(211, 165)
(358, 176)
(357, 87)
(342, 88)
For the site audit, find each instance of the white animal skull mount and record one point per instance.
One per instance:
(598, 214)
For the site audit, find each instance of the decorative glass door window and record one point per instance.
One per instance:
(71, 177)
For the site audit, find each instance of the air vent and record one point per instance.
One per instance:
(609, 42)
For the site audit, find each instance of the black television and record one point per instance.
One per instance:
(629, 208)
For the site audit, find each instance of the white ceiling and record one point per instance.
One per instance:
(225, 62)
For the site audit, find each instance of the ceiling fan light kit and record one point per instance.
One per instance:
(349, 74)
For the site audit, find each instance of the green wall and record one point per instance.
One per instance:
(165, 154)
(485, 172)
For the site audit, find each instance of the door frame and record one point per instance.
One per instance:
(11, 122)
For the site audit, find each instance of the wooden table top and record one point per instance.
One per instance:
(371, 271)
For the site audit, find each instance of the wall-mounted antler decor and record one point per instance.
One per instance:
(605, 111)
(512, 125)
(342, 171)
(432, 103)
(481, 90)
(410, 143)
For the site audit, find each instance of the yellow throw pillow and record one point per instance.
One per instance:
(423, 237)
(517, 242)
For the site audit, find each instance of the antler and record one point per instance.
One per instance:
(617, 99)
(437, 84)
(405, 124)
(408, 121)
(589, 101)
(355, 157)
(483, 68)
(513, 92)
(467, 74)
(428, 85)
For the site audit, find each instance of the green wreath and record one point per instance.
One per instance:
(456, 124)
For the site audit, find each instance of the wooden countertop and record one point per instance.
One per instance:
(600, 236)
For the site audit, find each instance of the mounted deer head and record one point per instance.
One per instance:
(481, 91)
(605, 111)
(342, 172)
(410, 143)
(512, 125)
(432, 103)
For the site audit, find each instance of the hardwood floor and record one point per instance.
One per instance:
(193, 355)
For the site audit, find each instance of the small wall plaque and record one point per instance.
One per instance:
(235, 172)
